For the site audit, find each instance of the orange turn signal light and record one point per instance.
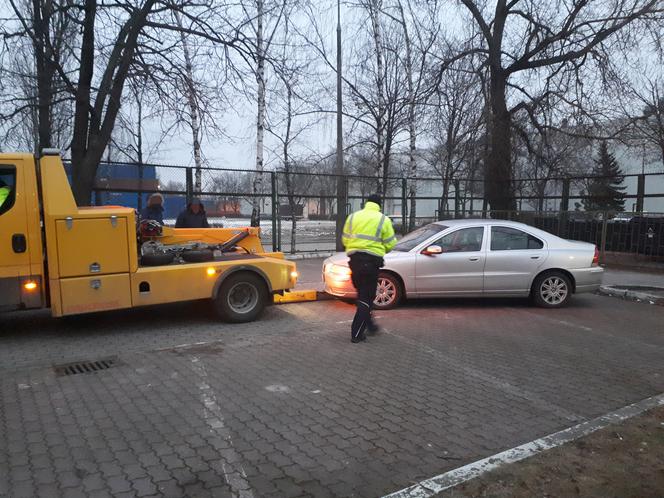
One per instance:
(294, 274)
(30, 285)
(211, 271)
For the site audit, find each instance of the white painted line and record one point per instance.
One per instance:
(230, 465)
(555, 320)
(439, 483)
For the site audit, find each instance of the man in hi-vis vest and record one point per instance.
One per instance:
(368, 235)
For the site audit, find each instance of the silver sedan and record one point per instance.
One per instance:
(477, 258)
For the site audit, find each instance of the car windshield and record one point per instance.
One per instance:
(416, 237)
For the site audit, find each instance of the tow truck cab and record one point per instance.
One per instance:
(85, 259)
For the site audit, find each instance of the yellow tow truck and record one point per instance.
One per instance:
(87, 259)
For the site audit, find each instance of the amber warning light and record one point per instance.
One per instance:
(30, 286)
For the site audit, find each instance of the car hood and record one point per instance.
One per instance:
(341, 258)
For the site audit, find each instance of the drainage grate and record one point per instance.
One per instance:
(84, 367)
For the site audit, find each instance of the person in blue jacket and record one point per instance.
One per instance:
(155, 209)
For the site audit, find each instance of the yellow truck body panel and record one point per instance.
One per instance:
(98, 293)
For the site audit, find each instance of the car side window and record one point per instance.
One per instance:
(7, 187)
(511, 239)
(464, 240)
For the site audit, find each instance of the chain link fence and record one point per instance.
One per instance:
(299, 211)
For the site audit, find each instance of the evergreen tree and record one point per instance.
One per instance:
(605, 190)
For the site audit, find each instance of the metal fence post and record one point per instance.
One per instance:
(342, 193)
(564, 209)
(189, 184)
(640, 192)
(275, 208)
(404, 206)
(602, 249)
(457, 198)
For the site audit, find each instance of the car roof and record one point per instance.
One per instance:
(480, 221)
(493, 221)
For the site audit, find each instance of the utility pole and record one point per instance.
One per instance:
(341, 197)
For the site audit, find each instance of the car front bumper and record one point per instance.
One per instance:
(339, 287)
(588, 279)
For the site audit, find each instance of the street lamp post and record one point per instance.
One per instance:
(341, 198)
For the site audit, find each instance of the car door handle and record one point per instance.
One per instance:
(534, 257)
(474, 258)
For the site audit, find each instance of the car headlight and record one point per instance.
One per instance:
(337, 272)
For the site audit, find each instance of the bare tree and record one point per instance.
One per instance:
(551, 41)
(264, 35)
(418, 48)
(456, 123)
(36, 104)
(191, 94)
(114, 56)
(648, 126)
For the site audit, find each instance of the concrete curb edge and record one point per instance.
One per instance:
(633, 295)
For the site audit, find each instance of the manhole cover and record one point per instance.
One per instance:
(83, 367)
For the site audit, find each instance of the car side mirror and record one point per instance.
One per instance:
(432, 250)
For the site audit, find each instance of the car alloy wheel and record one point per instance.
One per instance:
(554, 290)
(386, 292)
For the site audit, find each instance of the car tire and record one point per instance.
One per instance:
(197, 256)
(242, 297)
(552, 290)
(388, 292)
(157, 259)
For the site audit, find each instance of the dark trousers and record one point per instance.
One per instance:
(364, 268)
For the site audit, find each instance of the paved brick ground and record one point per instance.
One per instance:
(287, 406)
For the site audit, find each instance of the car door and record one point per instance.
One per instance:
(513, 259)
(458, 270)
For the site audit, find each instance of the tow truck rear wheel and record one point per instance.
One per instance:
(241, 298)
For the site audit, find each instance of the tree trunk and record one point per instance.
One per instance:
(498, 176)
(412, 133)
(374, 13)
(93, 124)
(260, 118)
(82, 177)
(192, 101)
(41, 11)
(290, 188)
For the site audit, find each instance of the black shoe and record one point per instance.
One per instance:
(361, 338)
(373, 330)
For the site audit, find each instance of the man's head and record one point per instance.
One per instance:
(196, 205)
(375, 198)
(155, 200)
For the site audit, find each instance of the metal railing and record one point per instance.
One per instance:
(299, 210)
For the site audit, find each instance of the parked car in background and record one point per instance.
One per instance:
(475, 258)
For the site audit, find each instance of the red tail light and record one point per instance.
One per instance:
(596, 257)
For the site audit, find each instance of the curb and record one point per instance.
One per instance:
(633, 294)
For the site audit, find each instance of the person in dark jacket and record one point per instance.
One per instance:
(155, 209)
(193, 217)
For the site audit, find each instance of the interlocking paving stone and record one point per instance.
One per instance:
(291, 408)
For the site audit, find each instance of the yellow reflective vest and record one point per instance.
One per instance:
(4, 193)
(369, 230)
